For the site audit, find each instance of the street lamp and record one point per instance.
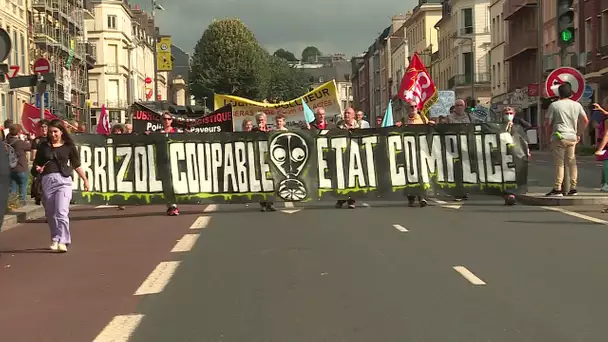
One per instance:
(155, 6)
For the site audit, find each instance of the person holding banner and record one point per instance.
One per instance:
(414, 118)
(319, 122)
(348, 123)
(247, 125)
(261, 120)
(51, 164)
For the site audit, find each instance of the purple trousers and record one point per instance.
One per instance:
(56, 196)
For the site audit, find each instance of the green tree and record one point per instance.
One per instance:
(229, 60)
(310, 54)
(286, 55)
(286, 83)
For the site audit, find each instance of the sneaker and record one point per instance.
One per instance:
(604, 188)
(54, 246)
(572, 192)
(270, 207)
(351, 206)
(62, 248)
(423, 203)
(555, 192)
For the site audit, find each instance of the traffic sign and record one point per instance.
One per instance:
(588, 92)
(5, 44)
(13, 71)
(562, 75)
(46, 100)
(42, 65)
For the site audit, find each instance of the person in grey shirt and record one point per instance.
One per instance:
(567, 120)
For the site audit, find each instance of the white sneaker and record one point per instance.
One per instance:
(54, 246)
(63, 248)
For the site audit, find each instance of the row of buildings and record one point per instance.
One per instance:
(101, 52)
(487, 50)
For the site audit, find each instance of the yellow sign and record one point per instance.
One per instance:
(326, 96)
(163, 54)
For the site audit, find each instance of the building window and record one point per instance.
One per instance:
(15, 48)
(494, 79)
(499, 74)
(23, 65)
(112, 22)
(467, 21)
(467, 61)
(588, 41)
(3, 115)
(604, 29)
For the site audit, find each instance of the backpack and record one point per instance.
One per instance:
(12, 156)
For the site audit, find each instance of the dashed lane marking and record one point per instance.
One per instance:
(366, 205)
(158, 279)
(578, 215)
(400, 228)
(201, 222)
(105, 206)
(185, 244)
(119, 329)
(289, 205)
(468, 275)
(210, 208)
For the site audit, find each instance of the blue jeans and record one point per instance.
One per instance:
(19, 179)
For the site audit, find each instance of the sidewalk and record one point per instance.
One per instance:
(585, 196)
(15, 217)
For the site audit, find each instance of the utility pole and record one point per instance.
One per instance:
(155, 7)
(540, 117)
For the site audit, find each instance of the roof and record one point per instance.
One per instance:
(340, 71)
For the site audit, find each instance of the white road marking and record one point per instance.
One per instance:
(290, 211)
(468, 275)
(210, 208)
(201, 222)
(445, 204)
(106, 206)
(158, 279)
(366, 205)
(289, 205)
(575, 214)
(400, 228)
(119, 329)
(185, 244)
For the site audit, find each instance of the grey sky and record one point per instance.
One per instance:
(332, 26)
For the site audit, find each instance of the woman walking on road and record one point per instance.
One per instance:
(51, 163)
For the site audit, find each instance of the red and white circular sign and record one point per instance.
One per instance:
(42, 66)
(562, 75)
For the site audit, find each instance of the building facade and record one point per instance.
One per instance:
(58, 32)
(359, 83)
(14, 19)
(124, 72)
(499, 69)
(593, 40)
(400, 54)
(467, 34)
(420, 32)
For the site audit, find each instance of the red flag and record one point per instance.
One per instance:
(418, 86)
(103, 126)
(30, 117)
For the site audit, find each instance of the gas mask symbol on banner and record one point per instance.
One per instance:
(289, 154)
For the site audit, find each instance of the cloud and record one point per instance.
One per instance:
(340, 26)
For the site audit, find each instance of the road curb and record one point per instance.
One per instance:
(541, 200)
(22, 215)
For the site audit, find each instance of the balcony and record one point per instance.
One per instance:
(118, 104)
(466, 80)
(525, 42)
(511, 7)
(435, 57)
(91, 54)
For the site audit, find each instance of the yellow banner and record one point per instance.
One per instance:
(325, 96)
(163, 54)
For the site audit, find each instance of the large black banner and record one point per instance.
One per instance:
(147, 120)
(299, 165)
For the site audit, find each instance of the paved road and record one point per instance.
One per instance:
(469, 272)
(542, 171)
